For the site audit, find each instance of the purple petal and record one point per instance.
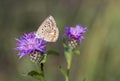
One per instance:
(75, 32)
(28, 43)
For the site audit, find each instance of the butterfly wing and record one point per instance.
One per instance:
(48, 30)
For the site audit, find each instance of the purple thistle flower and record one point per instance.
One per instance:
(29, 43)
(75, 33)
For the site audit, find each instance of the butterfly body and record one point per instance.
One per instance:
(48, 30)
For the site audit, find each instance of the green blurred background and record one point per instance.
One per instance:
(100, 52)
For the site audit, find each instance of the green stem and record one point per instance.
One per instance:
(66, 79)
(38, 68)
(42, 71)
(69, 60)
(68, 55)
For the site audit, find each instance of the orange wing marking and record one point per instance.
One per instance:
(54, 35)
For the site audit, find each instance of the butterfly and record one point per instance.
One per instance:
(48, 30)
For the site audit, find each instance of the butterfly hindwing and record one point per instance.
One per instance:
(48, 30)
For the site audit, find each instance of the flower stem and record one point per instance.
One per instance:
(66, 79)
(68, 55)
(42, 71)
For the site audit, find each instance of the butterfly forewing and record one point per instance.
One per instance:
(48, 30)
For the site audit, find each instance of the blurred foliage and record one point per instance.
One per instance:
(99, 59)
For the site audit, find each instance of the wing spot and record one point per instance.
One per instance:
(48, 22)
(49, 25)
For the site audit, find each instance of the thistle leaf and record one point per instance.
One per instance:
(44, 58)
(52, 52)
(36, 75)
(77, 52)
(63, 71)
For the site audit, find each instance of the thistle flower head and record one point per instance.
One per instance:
(28, 44)
(76, 33)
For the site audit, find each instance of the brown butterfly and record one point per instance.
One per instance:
(48, 30)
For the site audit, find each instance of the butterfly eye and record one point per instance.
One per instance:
(48, 23)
